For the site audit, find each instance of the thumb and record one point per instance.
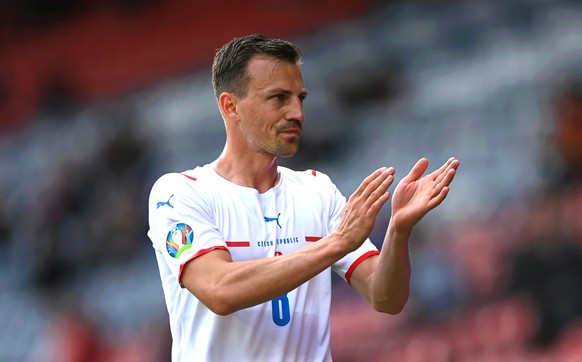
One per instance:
(417, 170)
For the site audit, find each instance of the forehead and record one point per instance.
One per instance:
(266, 72)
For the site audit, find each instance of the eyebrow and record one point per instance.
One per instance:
(303, 93)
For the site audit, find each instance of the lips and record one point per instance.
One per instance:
(292, 127)
(292, 130)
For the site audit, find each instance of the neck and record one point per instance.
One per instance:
(258, 171)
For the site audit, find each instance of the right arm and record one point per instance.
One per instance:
(225, 286)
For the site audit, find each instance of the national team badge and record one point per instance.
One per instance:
(179, 239)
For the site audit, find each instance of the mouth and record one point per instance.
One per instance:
(294, 131)
(291, 127)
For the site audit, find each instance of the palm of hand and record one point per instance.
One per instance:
(415, 195)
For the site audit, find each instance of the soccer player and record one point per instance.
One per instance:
(246, 248)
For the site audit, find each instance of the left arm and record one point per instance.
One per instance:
(384, 280)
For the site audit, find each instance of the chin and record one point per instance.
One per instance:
(285, 150)
(286, 153)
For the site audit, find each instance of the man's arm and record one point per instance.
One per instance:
(225, 286)
(384, 280)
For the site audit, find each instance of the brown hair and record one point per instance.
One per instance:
(229, 69)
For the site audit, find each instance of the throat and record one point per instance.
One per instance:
(261, 179)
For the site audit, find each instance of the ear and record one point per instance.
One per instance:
(227, 102)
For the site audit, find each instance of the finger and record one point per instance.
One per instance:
(379, 192)
(439, 174)
(436, 201)
(447, 177)
(375, 208)
(452, 164)
(417, 170)
(442, 189)
(374, 184)
(367, 181)
(445, 182)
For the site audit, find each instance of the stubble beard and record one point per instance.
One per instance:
(286, 146)
(283, 148)
(279, 145)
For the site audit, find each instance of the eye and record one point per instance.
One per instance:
(278, 97)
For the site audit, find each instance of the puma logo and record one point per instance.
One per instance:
(162, 203)
(269, 219)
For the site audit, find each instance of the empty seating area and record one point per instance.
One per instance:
(494, 269)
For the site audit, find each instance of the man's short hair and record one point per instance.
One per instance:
(229, 69)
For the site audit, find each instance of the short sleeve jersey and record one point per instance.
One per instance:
(198, 211)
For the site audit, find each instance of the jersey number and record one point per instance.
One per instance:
(281, 313)
(280, 307)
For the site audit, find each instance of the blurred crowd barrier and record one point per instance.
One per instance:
(494, 83)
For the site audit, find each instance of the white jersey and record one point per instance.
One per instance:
(198, 211)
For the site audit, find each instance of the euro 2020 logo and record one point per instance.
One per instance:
(179, 239)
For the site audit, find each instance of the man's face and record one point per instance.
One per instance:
(271, 113)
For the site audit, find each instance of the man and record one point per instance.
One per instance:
(245, 246)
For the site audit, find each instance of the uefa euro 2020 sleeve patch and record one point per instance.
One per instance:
(179, 239)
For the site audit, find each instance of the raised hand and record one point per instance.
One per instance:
(359, 213)
(415, 195)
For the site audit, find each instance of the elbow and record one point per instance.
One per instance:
(392, 306)
(221, 305)
(218, 302)
(389, 309)
(220, 308)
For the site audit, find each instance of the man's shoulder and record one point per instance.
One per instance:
(307, 177)
(194, 178)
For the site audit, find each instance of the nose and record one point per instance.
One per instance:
(295, 110)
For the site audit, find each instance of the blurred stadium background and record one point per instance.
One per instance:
(99, 98)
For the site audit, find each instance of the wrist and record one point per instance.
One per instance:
(341, 242)
(398, 230)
